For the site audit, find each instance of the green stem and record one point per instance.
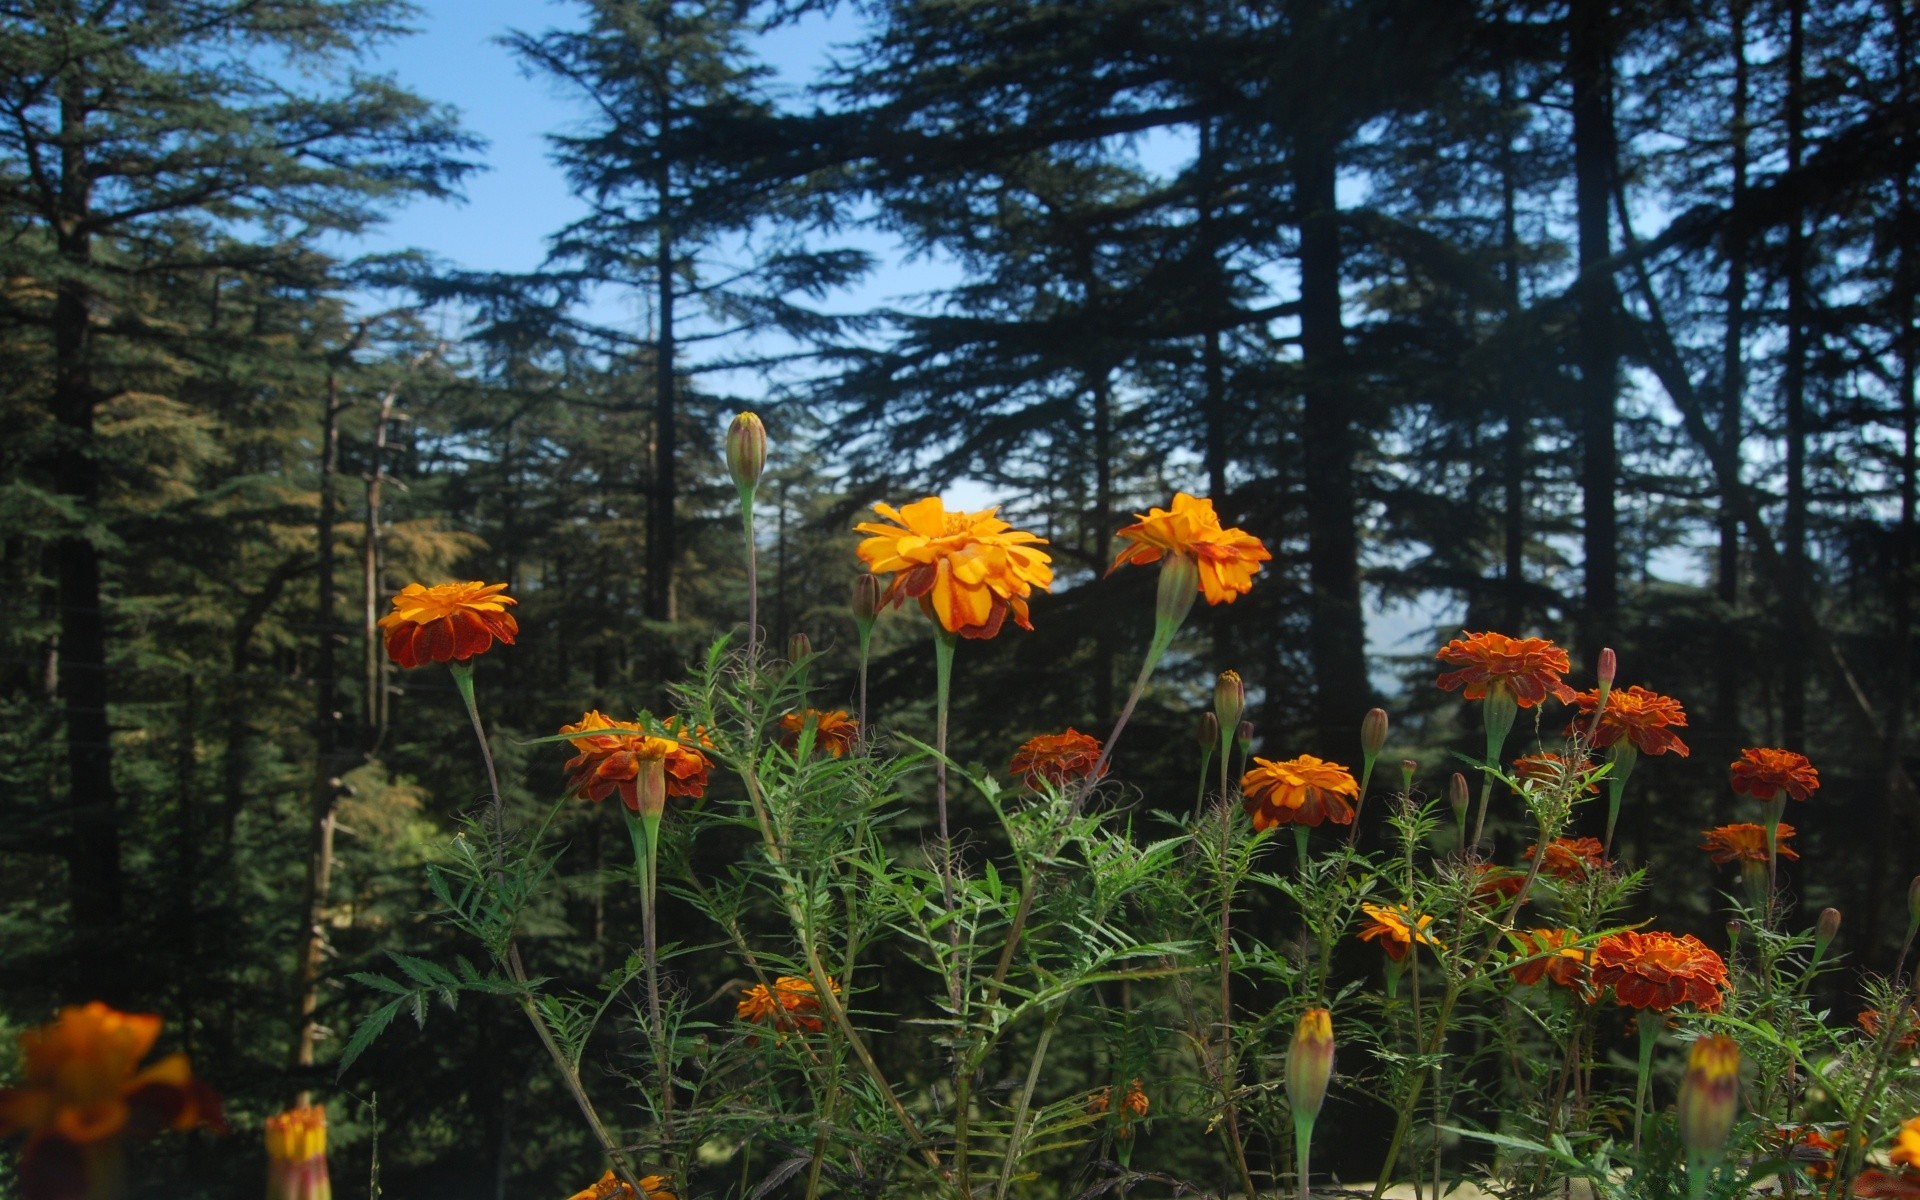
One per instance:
(644, 831)
(1649, 1033)
(943, 644)
(753, 581)
(1229, 1068)
(866, 649)
(1014, 1140)
(1303, 1148)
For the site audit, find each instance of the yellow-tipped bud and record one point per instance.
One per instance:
(297, 1155)
(746, 451)
(1310, 1062)
(1229, 699)
(1373, 733)
(1709, 1096)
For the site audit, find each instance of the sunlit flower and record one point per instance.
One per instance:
(1396, 929)
(1659, 971)
(612, 1187)
(1872, 1022)
(1551, 954)
(1528, 669)
(1765, 774)
(1227, 558)
(450, 622)
(834, 731)
(608, 761)
(967, 570)
(1056, 758)
(792, 1003)
(83, 1090)
(1299, 791)
(297, 1155)
(1906, 1144)
(1647, 719)
(1745, 843)
(1571, 859)
(687, 765)
(1551, 770)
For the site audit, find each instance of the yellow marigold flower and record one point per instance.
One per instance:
(1906, 1144)
(1227, 558)
(1396, 929)
(968, 570)
(452, 621)
(1298, 791)
(834, 731)
(297, 1155)
(611, 1187)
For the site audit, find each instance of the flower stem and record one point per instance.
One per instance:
(943, 688)
(753, 580)
(497, 809)
(1229, 1069)
(1012, 1157)
(1649, 1033)
(866, 649)
(645, 833)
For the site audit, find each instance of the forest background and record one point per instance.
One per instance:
(1589, 318)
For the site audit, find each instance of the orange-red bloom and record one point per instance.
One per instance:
(1871, 1021)
(1764, 774)
(791, 1004)
(967, 570)
(1906, 1144)
(834, 730)
(1810, 1148)
(1572, 859)
(453, 621)
(1527, 668)
(297, 1155)
(1056, 758)
(1875, 1184)
(1227, 558)
(1660, 971)
(1745, 842)
(1550, 954)
(1549, 770)
(1645, 718)
(84, 1089)
(611, 1187)
(1299, 791)
(1494, 884)
(1396, 929)
(608, 762)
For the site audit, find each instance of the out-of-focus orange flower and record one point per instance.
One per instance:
(1550, 769)
(1396, 929)
(608, 761)
(792, 1003)
(1551, 954)
(448, 622)
(968, 570)
(1810, 1148)
(1494, 884)
(1659, 971)
(1872, 1021)
(84, 1089)
(1227, 558)
(1135, 1101)
(1529, 669)
(1056, 758)
(1298, 791)
(1571, 859)
(1875, 1184)
(1745, 843)
(612, 1187)
(297, 1155)
(1906, 1144)
(1764, 774)
(1645, 718)
(834, 730)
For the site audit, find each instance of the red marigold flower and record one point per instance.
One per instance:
(1550, 954)
(1660, 971)
(452, 621)
(1571, 859)
(1764, 774)
(1527, 668)
(968, 570)
(1550, 770)
(1871, 1020)
(608, 762)
(834, 730)
(1227, 558)
(1396, 929)
(1745, 842)
(1057, 758)
(792, 1003)
(1300, 791)
(612, 1187)
(83, 1087)
(1645, 718)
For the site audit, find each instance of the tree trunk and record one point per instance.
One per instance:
(1105, 652)
(660, 523)
(1515, 437)
(1596, 352)
(1793, 530)
(373, 663)
(1733, 395)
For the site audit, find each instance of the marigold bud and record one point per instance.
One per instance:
(1373, 733)
(799, 647)
(1709, 1096)
(1244, 737)
(1179, 587)
(1310, 1062)
(1208, 733)
(1229, 699)
(746, 451)
(867, 591)
(1457, 796)
(1407, 768)
(1735, 928)
(1608, 667)
(1827, 928)
(650, 788)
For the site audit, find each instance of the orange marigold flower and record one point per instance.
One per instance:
(1494, 884)
(1550, 769)
(453, 621)
(1550, 954)
(1572, 859)
(1396, 929)
(84, 1087)
(687, 766)
(1906, 1144)
(792, 1003)
(1871, 1020)
(1227, 558)
(968, 570)
(608, 762)
(1875, 1184)
(1660, 971)
(1299, 791)
(834, 730)
(1645, 718)
(1528, 668)
(1057, 758)
(612, 1187)
(1764, 774)
(1135, 1101)
(1745, 842)
(297, 1155)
